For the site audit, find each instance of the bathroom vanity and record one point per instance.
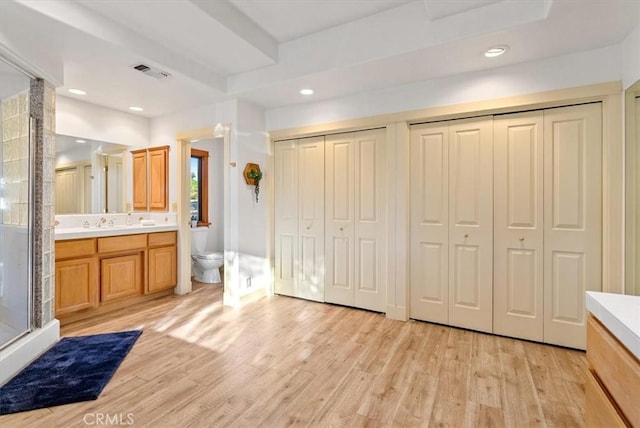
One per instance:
(613, 353)
(98, 270)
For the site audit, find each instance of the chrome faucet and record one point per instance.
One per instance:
(111, 223)
(86, 224)
(101, 222)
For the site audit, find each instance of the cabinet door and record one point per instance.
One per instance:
(121, 277)
(429, 216)
(572, 219)
(76, 285)
(162, 269)
(311, 218)
(518, 225)
(139, 180)
(158, 178)
(471, 224)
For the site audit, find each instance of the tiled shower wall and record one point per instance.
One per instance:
(39, 104)
(15, 159)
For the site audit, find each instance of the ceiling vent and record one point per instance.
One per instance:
(151, 72)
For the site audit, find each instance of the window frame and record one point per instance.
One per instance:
(203, 190)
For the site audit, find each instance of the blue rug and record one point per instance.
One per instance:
(74, 369)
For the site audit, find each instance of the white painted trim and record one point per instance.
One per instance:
(21, 353)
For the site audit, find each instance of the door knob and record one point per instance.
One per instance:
(521, 238)
(466, 235)
(341, 229)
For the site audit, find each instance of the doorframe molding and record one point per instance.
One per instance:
(610, 94)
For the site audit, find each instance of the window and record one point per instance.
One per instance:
(199, 203)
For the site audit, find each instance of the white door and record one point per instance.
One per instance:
(429, 252)
(67, 191)
(355, 226)
(114, 184)
(518, 225)
(286, 217)
(299, 218)
(572, 219)
(471, 224)
(311, 218)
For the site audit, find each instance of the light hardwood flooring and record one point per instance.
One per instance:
(282, 361)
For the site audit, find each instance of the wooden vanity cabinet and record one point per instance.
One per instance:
(163, 272)
(151, 179)
(613, 380)
(76, 276)
(96, 275)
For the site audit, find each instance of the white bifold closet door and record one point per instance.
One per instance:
(429, 277)
(299, 218)
(519, 225)
(548, 233)
(355, 226)
(471, 224)
(451, 223)
(572, 219)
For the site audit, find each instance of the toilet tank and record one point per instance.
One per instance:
(198, 239)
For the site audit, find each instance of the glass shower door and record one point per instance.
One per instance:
(15, 205)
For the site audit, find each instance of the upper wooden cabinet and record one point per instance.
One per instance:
(151, 179)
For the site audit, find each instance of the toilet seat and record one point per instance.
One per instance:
(209, 256)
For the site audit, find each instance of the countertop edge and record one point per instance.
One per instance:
(62, 235)
(616, 313)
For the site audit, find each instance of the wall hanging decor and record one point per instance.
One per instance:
(252, 176)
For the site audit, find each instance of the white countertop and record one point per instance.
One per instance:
(96, 232)
(620, 314)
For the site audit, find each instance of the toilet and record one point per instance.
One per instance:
(205, 266)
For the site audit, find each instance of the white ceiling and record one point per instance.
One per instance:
(265, 51)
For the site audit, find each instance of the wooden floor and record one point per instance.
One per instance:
(282, 361)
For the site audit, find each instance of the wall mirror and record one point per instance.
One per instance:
(632, 212)
(89, 176)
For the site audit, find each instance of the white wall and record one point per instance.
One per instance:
(630, 48)
(215, 236)
(584, 68)
(85, 120)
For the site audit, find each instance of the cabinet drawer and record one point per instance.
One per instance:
(122, 243)
(162, 238)
(600, 412)
(75, 248)
(616, 367)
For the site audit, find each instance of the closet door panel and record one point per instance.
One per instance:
(518, 220)
(573, 219)
(339, 230)
(429, 222)
(286, 217)
(471, 224)
(311, 218)
(370, 220)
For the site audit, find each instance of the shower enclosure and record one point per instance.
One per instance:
(15, 205)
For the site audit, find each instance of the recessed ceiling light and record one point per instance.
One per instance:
(80, 141)
(77, 91)
(136, 108)
(496, 51)
(194, 141)
(306, 91)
